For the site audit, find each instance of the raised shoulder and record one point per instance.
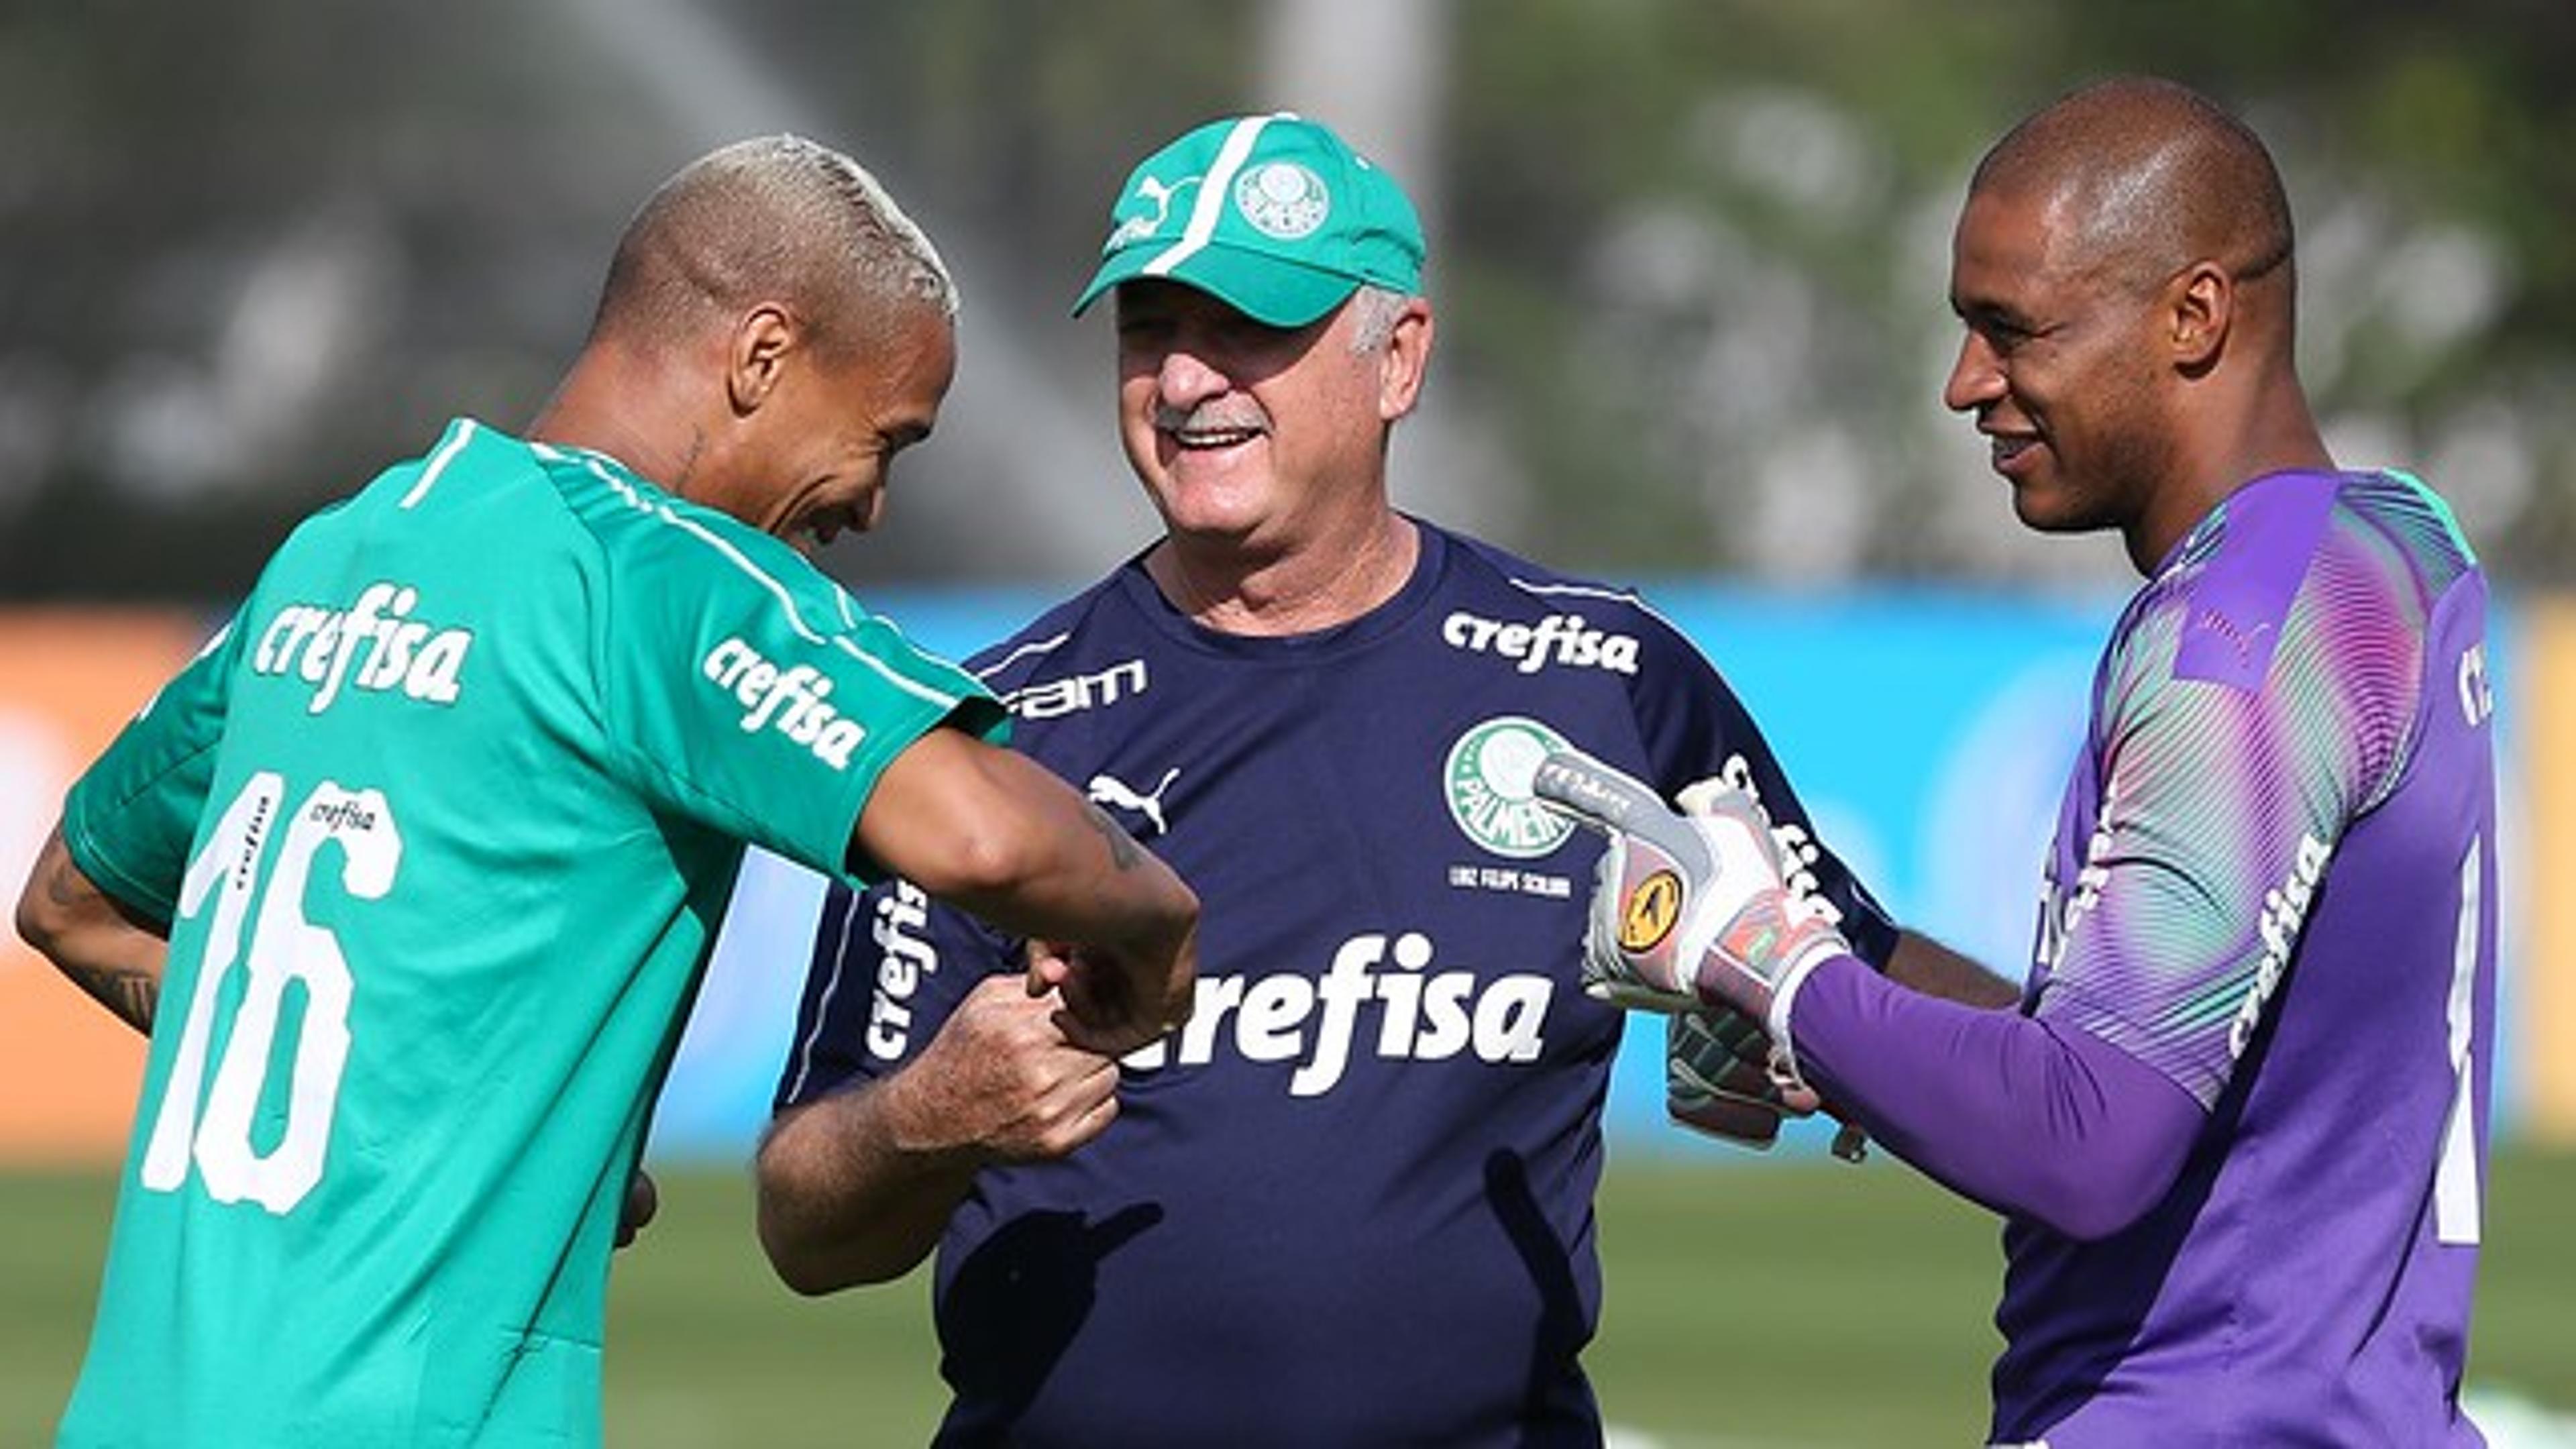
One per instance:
(641, 529)
(2312, 590)
(1568, 618)
(1061, 636)
(2298, 549)
(2396, 512)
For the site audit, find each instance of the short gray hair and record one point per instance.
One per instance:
(774, 218)
(1374, 313)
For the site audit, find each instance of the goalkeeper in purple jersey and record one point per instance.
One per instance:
(2236, 1124)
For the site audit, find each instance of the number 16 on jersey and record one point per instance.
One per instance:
(283, 948)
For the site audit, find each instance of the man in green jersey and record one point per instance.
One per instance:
(427, 848)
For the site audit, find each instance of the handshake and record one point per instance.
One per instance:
(1693, 916)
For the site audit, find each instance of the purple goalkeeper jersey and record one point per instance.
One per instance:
(2273, 881)
(1350, 1203)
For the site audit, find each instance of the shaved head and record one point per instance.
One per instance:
(2143, 177)
(2122, 267)
(782, 220)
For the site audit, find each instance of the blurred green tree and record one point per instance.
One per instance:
(1689, 253)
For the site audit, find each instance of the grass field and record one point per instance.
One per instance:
(1874, 1287)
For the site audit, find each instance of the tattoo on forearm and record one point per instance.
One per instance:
(132, 995)
(1124, 852)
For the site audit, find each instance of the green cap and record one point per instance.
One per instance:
(1273, 215)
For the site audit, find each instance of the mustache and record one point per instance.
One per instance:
(1209, 417)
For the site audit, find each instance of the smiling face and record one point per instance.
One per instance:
(813, 453)
(1261, 437)
(2061, 365)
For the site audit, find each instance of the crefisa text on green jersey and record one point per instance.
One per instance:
(376, 645)
(373, 645)
(790, 701)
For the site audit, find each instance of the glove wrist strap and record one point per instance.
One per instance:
(1784, 996)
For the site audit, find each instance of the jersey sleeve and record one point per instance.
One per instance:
(131, 817)
(2228, 783)
(1694, 727)
(744, 690)
(889, 965)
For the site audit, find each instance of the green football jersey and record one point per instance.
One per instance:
(443, 825)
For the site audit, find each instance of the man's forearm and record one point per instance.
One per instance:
(995, 833)
(133, 995)
(842, 1202)
(2052, 1127)
(107, 951)
(1925, 965)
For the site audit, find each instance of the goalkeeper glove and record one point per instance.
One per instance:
(1725, 1079)
(1686, 908)
(1718, 1081)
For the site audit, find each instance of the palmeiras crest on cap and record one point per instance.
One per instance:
(1283, 200)
(1273, 215)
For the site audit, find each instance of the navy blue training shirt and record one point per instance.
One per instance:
(1350, 1202)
